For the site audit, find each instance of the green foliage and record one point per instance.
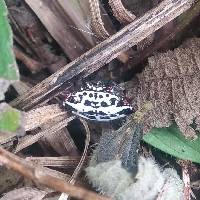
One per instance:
(10, 123)
(171, 141)
(8, 69)
(10, 120)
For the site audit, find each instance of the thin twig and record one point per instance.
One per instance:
(81, 162)
(187, 191)
(21, 166)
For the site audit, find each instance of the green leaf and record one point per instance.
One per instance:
(8, 66)
(171, 141)
(10, 123)
(9, 120)
(8, 69)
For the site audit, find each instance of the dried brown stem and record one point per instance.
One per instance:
(186, 179)
(15, 163)
(99, 28)
(83, 157)
(103, 53)
(62, 161)
(120, 12)
(97, 22)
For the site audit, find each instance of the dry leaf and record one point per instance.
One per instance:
(170, 82)
(24, 194)
(8, 179)
(39, 116)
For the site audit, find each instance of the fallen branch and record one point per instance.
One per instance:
(38, 175)
(103, 53)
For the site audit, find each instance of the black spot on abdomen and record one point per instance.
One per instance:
(71, 99)
(87, 103)
(102, 113)
(95, 95)
(113, 115)
(92, 117)
(104, 104)
(126, 111)
(104, 117)
(112, 101)
(120, 104)
(91, 112)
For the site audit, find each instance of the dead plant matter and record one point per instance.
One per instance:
(170, 82)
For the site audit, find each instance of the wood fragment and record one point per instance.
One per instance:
(21, 87)
(43, 118)
(61, 141)
(36, 174)
(55, 21)
(66, 162)
(36, 117)
(54, 173)
(28, 140)
(104, 52)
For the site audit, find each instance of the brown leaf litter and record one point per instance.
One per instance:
(171, 82)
